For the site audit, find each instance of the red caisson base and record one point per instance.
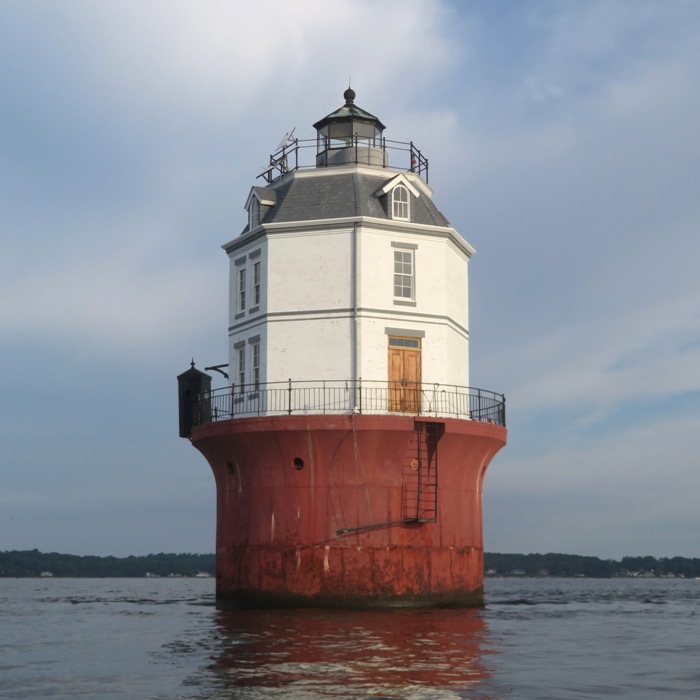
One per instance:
(349, 510)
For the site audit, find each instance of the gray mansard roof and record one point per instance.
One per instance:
(343, 195)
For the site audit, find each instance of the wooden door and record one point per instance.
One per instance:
(404, 375)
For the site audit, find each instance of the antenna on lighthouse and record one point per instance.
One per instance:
(287, 138)
(278, 160)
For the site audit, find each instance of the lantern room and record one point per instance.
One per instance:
(348, 135)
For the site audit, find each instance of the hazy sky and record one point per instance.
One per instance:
(564, 144)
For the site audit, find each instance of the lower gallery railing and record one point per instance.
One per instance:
(342, 397)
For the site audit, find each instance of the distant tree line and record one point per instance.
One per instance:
(21, 564)
(31, 563)
(575, 565)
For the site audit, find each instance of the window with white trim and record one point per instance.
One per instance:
(240, 370)
(255, 362)
(241, 288)
(399, 203)
(404, 274)
(256, 284)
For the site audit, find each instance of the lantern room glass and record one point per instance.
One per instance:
(346, 134)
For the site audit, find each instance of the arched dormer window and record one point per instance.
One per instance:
(259, 202)
(254, 213)
(399, 203)
(396, 196)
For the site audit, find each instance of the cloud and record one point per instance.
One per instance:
(120, 145)
(122, 297)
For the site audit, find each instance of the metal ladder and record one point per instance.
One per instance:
(420, 474)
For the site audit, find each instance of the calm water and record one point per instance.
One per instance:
(163, 639)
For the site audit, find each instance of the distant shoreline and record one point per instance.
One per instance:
(36, 564)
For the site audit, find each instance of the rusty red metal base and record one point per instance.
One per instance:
(350, 510)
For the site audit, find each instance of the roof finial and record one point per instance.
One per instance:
(192, 365)
(349, 95)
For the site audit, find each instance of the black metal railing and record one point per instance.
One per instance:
(343, 397)
(356, 149)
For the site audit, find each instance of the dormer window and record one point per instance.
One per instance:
(254, 213)
(399, 203)
(395, 196)
(259, 202)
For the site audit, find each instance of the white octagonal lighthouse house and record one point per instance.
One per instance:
(348, 448)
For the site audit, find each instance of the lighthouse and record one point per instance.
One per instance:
(347, 445)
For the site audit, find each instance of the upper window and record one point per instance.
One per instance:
(254, 213)
(399, 203)
(256, 284)
(404, 274)
(241, 288)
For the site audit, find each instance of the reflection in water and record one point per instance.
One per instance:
(314, 653)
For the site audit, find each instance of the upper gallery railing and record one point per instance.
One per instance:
(355, 149)
(342, 397)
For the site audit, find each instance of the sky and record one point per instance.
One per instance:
(564, 145)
